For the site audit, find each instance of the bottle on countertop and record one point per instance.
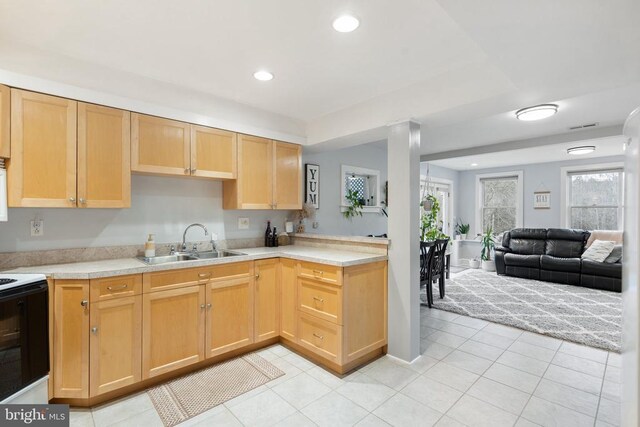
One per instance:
(150, 247)
(274, 238)
(267, 235)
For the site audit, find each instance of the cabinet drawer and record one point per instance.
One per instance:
(172, 279)
(320, 299)
(323, 272)
(322, 337)
(230, 271)
(113, 287)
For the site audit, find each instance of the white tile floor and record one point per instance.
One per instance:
(472, 373)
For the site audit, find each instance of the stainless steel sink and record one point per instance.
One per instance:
(167, 258)
(188, 257)
(216, 254)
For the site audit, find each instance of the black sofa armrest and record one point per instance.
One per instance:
(499, 256)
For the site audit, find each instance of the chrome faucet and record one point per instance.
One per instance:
(184, 235)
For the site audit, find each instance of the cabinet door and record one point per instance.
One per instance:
(267, 299)
(253, 188)
(287, 185)
(213, 153)
(71, 339)
(173, 327)
(116, 344)
(288, 299)
(5, 120)
(160, 146)
(229, 315)
(42, 169)
(104, 166)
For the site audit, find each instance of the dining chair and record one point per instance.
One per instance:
(437, 269)
(427, 250)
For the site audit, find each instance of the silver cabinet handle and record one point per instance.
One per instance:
(193, 170)
(257, 276)
(72, 199)
(318, 273)
(186, 170)
(117, 288)
(318, 299)
(202, 306)
(94, 330)
(84, 303)
(204, 275)
(82, 201)
(209, 306)
(318, 336)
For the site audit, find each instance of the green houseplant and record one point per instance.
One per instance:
(488, 244)
(430, 227)
(354, 206)
(462, 229)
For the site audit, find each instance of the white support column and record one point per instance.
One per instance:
(403, 157)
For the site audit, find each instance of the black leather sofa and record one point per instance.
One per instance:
(553, 255)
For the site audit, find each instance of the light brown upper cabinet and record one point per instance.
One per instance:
(287, 185)
(104, 166)
(42, 169)
(213, 153)
(168, 147)
(269, 176)
(159, 146)
(5, 121)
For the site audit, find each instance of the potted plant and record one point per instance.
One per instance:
(462, 229)
(430, 227)
(488, 244)
(307, 211)
(474, 263)
(355, 204)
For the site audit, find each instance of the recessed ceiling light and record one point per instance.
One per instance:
(537, 112)
(263, 75)
(474, 164)
(345, 23)
(585, 149)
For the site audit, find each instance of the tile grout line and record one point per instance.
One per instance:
(595, 420)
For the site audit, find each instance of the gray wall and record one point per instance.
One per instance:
(535, 176)
(329, 217)
(160, 205)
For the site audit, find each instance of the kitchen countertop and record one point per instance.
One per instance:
(357, 239)
(118, 267)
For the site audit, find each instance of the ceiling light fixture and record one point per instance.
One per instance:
(346, 23)
(584, 149)
(263, 75)
(537, 112)
(474, 164)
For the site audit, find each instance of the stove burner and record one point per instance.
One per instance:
(6, 281)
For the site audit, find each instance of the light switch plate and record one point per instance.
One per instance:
(37, 228)
(243, 223)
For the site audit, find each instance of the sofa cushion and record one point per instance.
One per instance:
(615, 255)
(529, 233)
(599, 250)
(567, 234)
(564, 248)
(571, 265)
(594, 268)
(527, 246)
(614, 235)
(518, 260)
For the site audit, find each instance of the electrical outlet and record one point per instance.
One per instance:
(243, 223)
(37, 228)
(316, 224)
(214, 236)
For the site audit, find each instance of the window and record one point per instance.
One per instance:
(499, 202)
(595, 199)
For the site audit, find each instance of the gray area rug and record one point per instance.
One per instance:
(582, 315)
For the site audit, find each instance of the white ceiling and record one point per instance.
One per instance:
(611, 146)
(461, 67)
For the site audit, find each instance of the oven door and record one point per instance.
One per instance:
(24, 337)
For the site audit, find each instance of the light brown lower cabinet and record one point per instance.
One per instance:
(267, 300)
(173, 325)
(115, 351)
(71, 339)
(229, 315)
(112, 333)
